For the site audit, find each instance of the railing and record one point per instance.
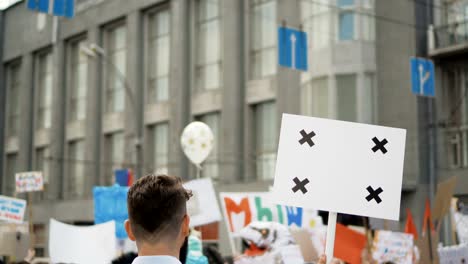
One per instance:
(451, 34)
(457, 146)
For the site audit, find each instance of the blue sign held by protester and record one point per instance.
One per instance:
(65, 8)
(422, 77)
(292, 48)
(110, 203)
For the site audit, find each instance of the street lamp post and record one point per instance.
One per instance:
(94, 51)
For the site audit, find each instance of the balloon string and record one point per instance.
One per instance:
(199, 169)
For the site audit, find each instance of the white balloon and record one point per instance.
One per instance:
(197, 142)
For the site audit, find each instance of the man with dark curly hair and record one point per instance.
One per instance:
(158, 219)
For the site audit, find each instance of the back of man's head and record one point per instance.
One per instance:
(157, 209)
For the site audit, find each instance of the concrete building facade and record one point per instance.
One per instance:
(448, 48)
(115, 86)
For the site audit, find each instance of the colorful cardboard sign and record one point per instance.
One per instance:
(393, 247)
(443, 197)
(362, 164)
(242, 208)
(461, 226)
(12, 209)
(203, 206)
(29, 181)
(82, 245)
(349, 244)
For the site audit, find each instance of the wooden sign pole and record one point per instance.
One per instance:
(331, 230)
(31, 226)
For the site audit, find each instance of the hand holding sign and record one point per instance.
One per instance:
(341, 167)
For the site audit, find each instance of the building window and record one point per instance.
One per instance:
(208, 68)
(315, 16)
(266, 138)
(159, 50)
(13, 94)
(346, 14)
(115, 149)
(160, 149)
(11, 170)
(45, 84)
(42, 162)
(456, 11)
(368, 98)
(79, 82)
(346, 97)
(263, 38)
(116, 51)
(210, 167)
(76, 168)
(315, 98)
(368, 20)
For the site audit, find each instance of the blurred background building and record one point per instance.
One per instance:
(115, 86)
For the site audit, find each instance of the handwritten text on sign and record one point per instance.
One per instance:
(29, 181)
(242, 208)
(11, 209)
(393, 247)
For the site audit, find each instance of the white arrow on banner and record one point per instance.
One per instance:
(293, 51)
(422, 79)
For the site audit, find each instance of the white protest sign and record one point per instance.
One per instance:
(340, 166)
(203, 206)
(394, 247)
(453, 254)
(82, 245)
(29, 181)
(240, 209)
(461, 225)
(12, 209)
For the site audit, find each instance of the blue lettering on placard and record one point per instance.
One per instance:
(17, 204)
(14, 210)
(294, 215)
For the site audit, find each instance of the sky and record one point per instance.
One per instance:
(6, 3)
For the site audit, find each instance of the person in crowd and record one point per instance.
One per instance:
(213, 255)
(125, 258)
(158, 219)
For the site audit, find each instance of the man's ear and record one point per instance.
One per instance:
(128, 228)
(186, 225)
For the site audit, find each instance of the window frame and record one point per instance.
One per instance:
(155, 165)
(148, 40)
(255, 52)
(11, 69)
(73, 161)
(355, 76)
(347, 9)
(199, 66)
(9, 182)
(213, 160)
(110, 67)
(73, 96)
(38, 91)
(109, 148)
(267, 154)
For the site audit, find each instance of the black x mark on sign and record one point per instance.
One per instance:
(307, 138)
(379, 145)
(300, 185)
(374, 194)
